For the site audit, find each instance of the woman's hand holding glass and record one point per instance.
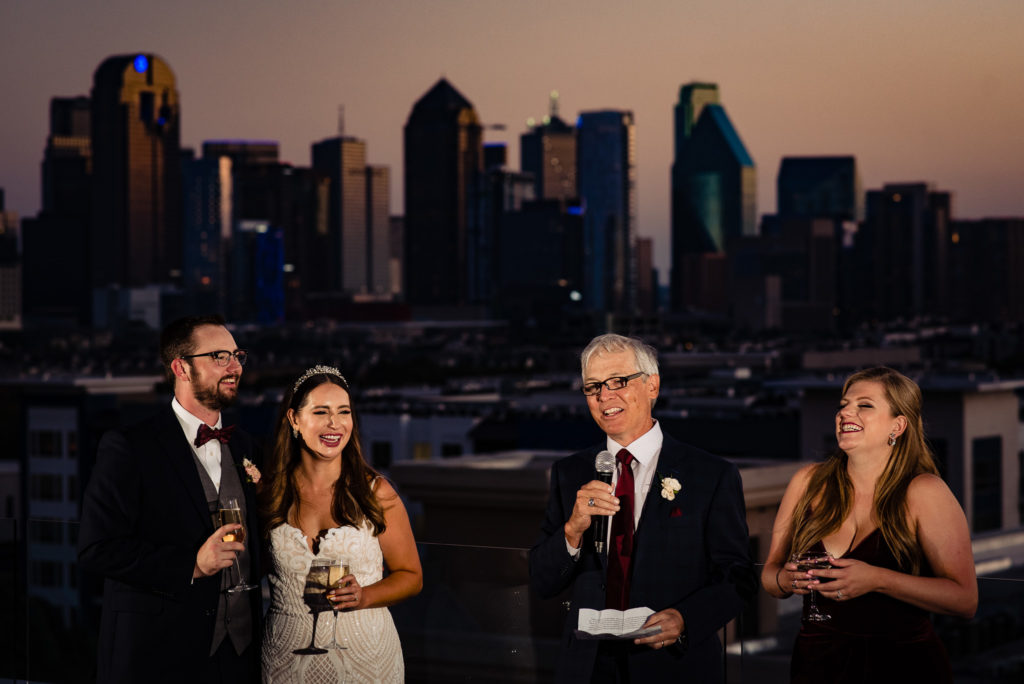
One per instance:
(347, 595)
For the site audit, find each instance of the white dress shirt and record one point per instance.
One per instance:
(209, 453)
(645, 450)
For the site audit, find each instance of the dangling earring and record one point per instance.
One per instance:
(295, 432)
(892, 439)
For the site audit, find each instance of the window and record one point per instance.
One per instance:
(45, 531)
(45, 443)
(46, 488)
(987, 456)
(421, 451)
(450, 450)
(46, 574)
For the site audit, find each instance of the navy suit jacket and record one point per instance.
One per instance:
(144, 517)
(690, 554)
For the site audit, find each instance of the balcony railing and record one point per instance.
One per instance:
(475, 621)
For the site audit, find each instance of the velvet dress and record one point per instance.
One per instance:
(871, 638)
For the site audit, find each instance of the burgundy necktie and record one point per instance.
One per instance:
(620, 550)
(206, 433)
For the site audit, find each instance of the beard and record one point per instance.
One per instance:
(214, 397)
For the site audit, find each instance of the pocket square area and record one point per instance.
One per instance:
(675, 512)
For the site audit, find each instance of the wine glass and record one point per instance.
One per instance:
(812, 561)
(231, 513)
(314, 594)
(335, 572)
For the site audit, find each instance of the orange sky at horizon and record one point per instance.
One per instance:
(917, 91)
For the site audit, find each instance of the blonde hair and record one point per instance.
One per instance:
(829, 496)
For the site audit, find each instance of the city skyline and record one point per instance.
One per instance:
(914, 93)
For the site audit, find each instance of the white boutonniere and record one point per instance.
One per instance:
(669, 487)
(252, 473)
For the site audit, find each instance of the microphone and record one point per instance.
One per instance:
(604, 464)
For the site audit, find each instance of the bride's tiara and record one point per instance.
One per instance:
(319, 370)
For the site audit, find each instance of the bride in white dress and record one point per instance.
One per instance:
(320, 500)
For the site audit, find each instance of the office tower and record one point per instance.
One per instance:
(207, 227)
(10, 269)
(499, 192)
(136, 225)
(820, 187)
(443, 159)
(378, 229)
(607, 186)
(986, 270)
(548, 151)
(539, 264)
(901, 253)
(646, 276)
(396, 253)
(343, 161)
(57, 240)
(714, 196)
(67, 160)
(257, 273)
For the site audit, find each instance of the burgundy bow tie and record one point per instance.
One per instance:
(206, 433)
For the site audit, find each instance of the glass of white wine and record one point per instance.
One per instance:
(337, 570)
(812, 561)
(230, 514)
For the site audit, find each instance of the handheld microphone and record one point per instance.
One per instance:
(604, 464)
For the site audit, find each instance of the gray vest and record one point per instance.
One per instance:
(234, 614)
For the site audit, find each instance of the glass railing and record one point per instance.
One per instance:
(476, 619)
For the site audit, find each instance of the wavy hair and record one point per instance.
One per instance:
(829, 496)
(353, 501)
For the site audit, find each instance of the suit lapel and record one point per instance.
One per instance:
(182, 462)
(671, 463)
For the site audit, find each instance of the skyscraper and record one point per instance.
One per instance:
(136, 227)
(548, 151)
(713, 194)
(607, 186)
(820, 187)
(443, 159)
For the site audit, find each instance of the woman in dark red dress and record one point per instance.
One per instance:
(895, 536)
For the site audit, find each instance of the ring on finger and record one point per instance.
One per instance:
(839, 595)
(590, 501)
(794, 584)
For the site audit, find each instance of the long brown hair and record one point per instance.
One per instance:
(353, 502)
(829, 496)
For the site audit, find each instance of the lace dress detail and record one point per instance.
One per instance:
(372, 651)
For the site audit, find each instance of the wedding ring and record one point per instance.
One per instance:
(590, 501)
(839, 595)
(794, 584)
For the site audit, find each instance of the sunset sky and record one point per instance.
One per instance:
(917, 90)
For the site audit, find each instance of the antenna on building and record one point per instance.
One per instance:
(341, 121)
(554, 104)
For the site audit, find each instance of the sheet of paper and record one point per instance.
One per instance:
(614, 624)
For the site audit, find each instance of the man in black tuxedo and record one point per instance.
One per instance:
(677, 541)
(149, 526)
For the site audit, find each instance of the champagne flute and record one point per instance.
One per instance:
(231, 513)
(812, 561)
(314, 594)
(336, 571)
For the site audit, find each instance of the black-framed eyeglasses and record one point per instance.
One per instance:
(616, 383)
(222, 357)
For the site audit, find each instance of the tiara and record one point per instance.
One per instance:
(319, 370)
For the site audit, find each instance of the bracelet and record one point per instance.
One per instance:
(785, 594)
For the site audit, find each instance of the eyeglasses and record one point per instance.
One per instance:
(611, 384)
(222, 357)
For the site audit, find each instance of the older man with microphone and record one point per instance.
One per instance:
(676, 542)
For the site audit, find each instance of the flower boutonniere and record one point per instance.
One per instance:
(669, 487)
(252, 473)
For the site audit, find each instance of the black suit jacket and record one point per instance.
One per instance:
(690, 554)
(144, 517)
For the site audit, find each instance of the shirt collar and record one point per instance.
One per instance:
(644, 448)
(189, 423)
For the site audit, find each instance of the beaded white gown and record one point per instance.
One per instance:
(372, 653)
